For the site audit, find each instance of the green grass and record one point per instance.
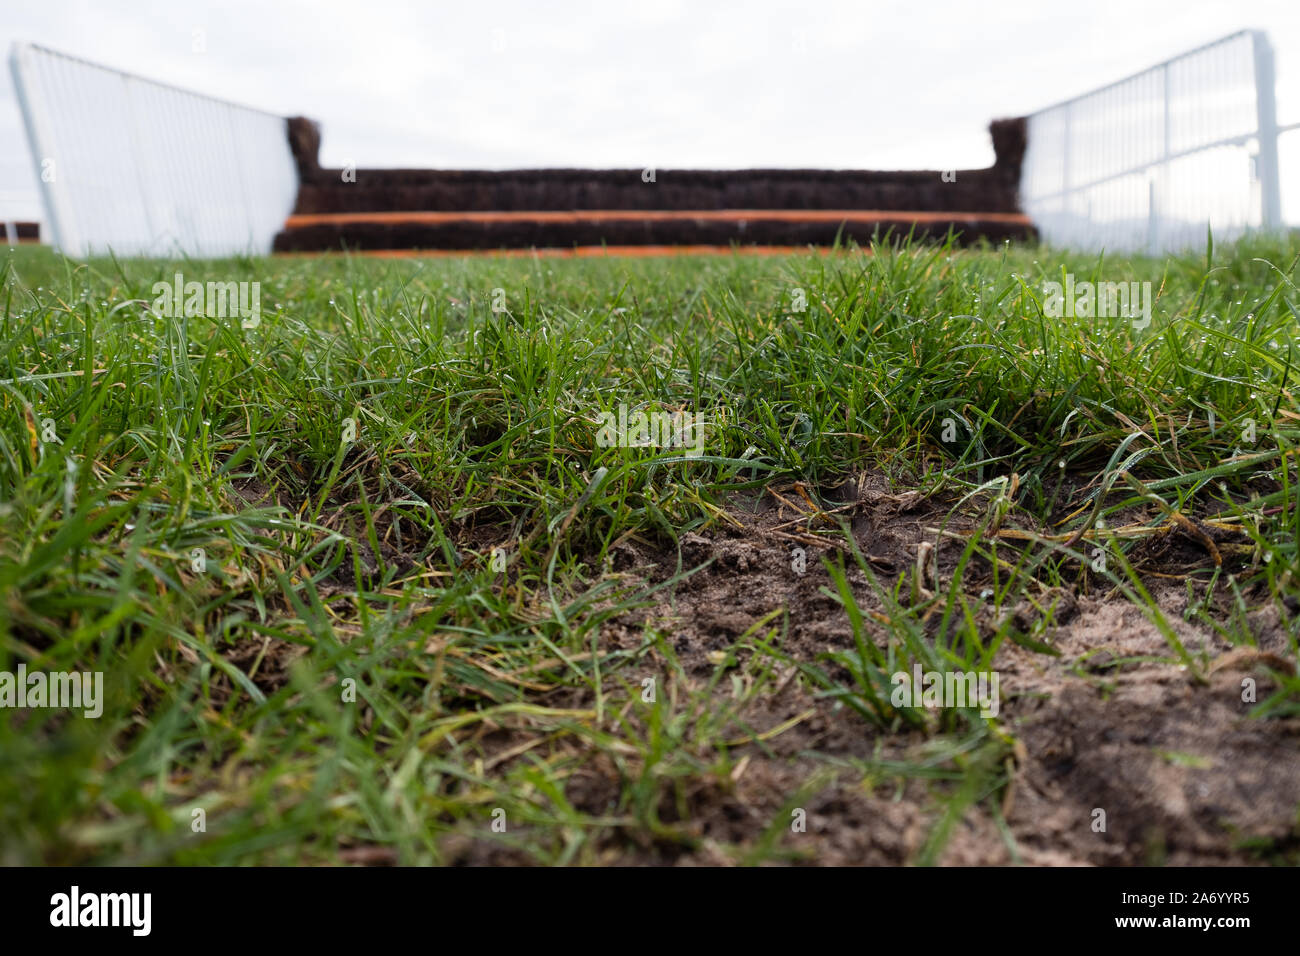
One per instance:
(476, 430)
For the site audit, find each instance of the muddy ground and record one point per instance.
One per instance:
(1111, 721)
(1183, 774)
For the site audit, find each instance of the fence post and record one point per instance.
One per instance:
(1066, 146)
(63, 231)
(1270, 199)
(1158, 179)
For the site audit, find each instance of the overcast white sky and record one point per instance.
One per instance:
(664, 83)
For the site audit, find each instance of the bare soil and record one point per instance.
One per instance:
(1110, 721)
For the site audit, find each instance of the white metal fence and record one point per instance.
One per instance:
(143, 168)
(1147, 162)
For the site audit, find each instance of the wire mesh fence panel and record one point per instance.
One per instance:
(1148, 162)
(137, 167)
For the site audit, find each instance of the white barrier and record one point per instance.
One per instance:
(1147, 162)
(142, 168)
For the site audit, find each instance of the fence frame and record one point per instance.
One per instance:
(65, 222)
(1265, 133)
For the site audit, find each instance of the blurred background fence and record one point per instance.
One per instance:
(1145, 163)
(147, 168)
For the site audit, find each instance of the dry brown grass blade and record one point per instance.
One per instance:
(448, 725)
(775, 731)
